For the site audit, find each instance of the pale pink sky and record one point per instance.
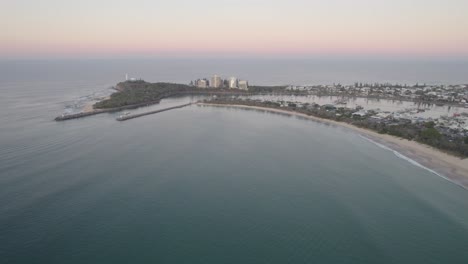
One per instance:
(226, 27)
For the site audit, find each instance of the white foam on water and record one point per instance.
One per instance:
(415, 163)
(77, 105)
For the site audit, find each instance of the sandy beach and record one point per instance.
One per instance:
(450, 167)
(88, 108)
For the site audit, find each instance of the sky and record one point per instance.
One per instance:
(236, 28)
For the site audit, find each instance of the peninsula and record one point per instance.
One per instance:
(133, 94)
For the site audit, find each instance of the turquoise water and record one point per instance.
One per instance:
(210, 185)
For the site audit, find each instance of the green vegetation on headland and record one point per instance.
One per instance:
(424, 132)
(141, 92)
(134, 94)
(138, 92)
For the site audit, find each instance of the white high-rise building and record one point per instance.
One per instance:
(216, 82)
(243, 85)
(233, 83)
(202, 83)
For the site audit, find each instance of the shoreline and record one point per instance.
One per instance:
(89, 107)
(450, 167)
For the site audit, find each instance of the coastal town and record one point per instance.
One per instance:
(453, 127)
(437, 94)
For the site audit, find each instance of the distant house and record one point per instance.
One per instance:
(329, 107)
(376, 118)
(360, 114)
(312, 106)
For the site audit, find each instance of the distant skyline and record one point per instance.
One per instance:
(228, 28)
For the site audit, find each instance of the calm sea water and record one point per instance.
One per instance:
(209, 185)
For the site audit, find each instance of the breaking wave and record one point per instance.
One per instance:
(401, 156)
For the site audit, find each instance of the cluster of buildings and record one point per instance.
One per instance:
(454, 94)
(220, 83)
(453, 126)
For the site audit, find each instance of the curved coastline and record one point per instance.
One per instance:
(451, 168)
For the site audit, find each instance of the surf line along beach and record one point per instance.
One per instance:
(450, 167)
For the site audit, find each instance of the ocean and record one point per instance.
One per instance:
(209, 184)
